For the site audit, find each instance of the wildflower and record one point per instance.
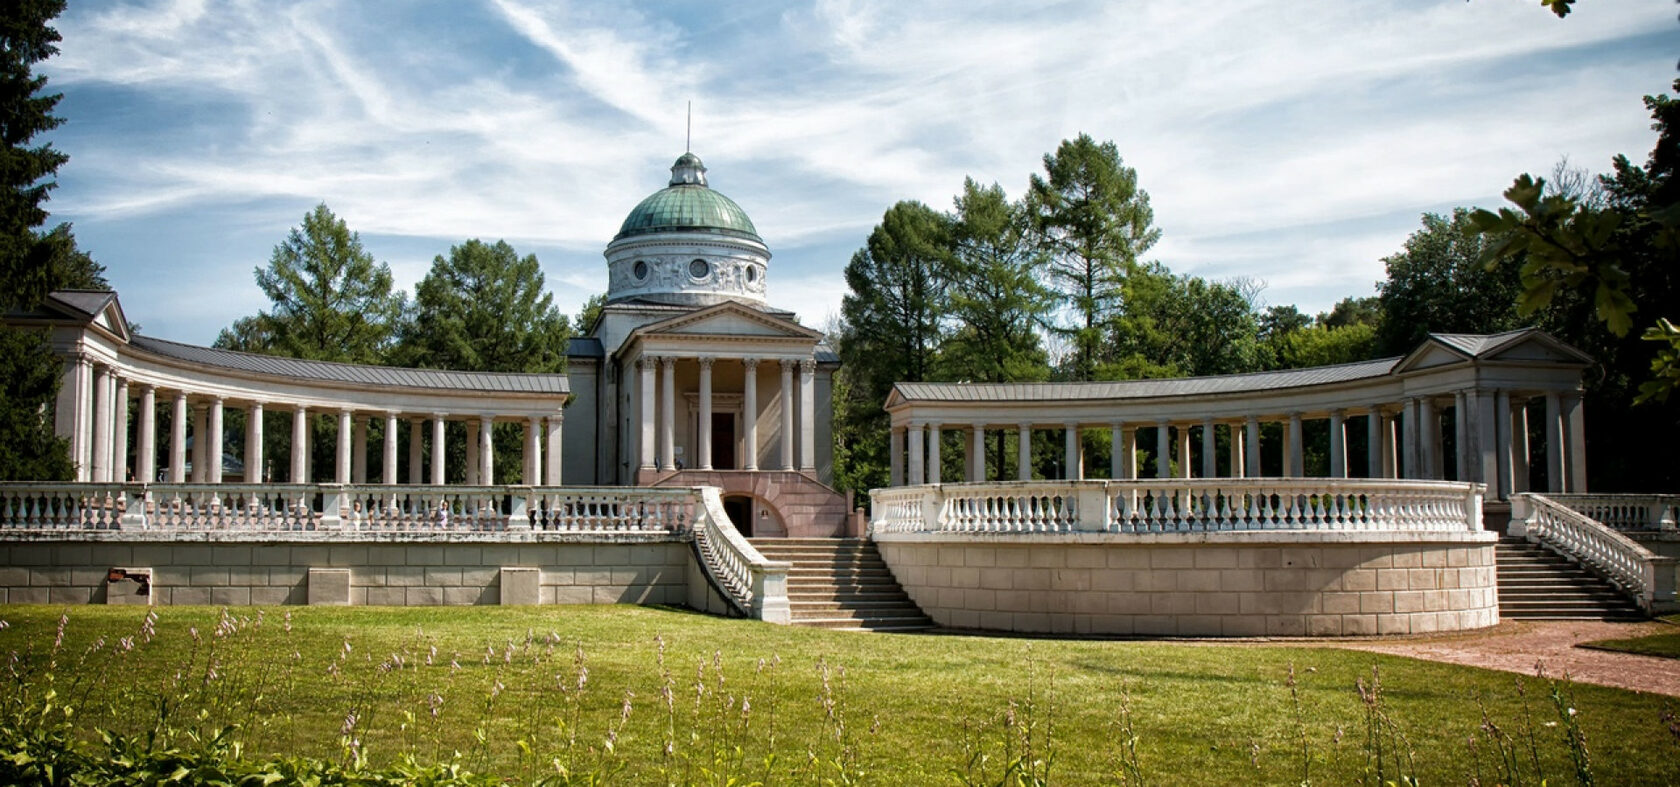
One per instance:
(125, 644)
(349, 723)
(496, 690)
(287, 625)
(4, 625)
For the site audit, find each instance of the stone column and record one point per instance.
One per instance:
(1463, 450)
(1238, 454)
(437, 449)
(145, 454)
(102, 425)
(1485, 439)
(1390, 447)
(358, 451)
(976, 454)
(416, 450)
(1116, 452)
(388, 457)
(1338, 445)
(469, 473)
(1128, 461)
(668, 413)
(254, 443)
(341, 453)
(554, 450)
(1023, 452)
(1575, 413)
(1210, 450)
(1184, 452)
(72, 417)
(532, 469)
(1411, 467)
(213, 449)
(895, 456)
(1251, 447)
(1297, 467)
(1555, 480)
(646, 417)
(749, 413)
(808, 415)
(704, 449)
(787, 413)
(1163, 450)
(201, 443)
(1374, 443)
(486, 451)
(918, 452)
(1429, 439)
(300, 444)
(1072, 457)
(1519, 446)
(935, 468)
(119, 433)
(178, 439)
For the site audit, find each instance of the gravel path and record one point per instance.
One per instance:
(1517, 646)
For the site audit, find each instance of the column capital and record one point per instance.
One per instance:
(750, 363)
(558, 416)
(1338, 413)
(807, 364)
(668, 362)
(788, 363)
(1025, 426)
(706, 361)
(218, 399)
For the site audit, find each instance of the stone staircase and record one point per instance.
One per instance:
(1536, 583)
(842, 583)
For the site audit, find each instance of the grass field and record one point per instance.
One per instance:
(662, 696)
(1664, 645)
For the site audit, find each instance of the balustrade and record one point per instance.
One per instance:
(1631, 513)
(1648, 577)
(62, 506)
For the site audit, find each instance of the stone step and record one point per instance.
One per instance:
(1536, 583)
(842, 584)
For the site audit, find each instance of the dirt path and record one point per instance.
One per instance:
(1516, 646)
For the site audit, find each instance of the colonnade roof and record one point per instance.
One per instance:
(357, 374)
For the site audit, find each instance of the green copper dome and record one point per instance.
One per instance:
(688, 204)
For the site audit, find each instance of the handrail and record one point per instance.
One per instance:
(1180, 505)
(754, 585)
(1627, 513)
(1646, 576)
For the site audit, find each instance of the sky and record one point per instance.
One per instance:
(1292, 143)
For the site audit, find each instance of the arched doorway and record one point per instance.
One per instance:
(740, 509)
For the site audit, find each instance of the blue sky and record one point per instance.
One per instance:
(1295, 143)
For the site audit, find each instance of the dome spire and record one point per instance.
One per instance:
(688, 171)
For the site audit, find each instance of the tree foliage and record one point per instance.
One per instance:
(483, 308)
(997, 302)
(330, 300)
(1439, 283)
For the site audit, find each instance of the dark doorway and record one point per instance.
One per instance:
(723, 441)
(739, 510)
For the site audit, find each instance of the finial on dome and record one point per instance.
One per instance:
(688, 170)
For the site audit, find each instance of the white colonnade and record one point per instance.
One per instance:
(657, 408)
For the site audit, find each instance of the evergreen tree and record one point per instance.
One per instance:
(996, 299)
(1096, 223)
(483, 308)
(1439, 284)
(331, 301)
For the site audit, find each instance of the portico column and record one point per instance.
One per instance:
(1210, 450)
(1464, 405)
(1023, 452)
(388, 458)
(895, 456)
(1574, 413)
(1073, 460)
(645, 418)
(119, 433)
(1555, 481)
(553, 451)
(1411, 467)
(1116, 450)
(254, 443)
(668, 413)
(201, 443)
(918, 452)
(300, 444)
(1163, 450)
(213, 456)
(1487, 411)
(470, 473)
(1519, 446)
(486, 451)
(1184, 452)
(1297, 468)
(1429, 438)
(749, 413)
(101, 424)
(1128, 461)
(1251, 447)
(533, 451)
(808, 415)
(704, 449)
(437, 449)
(178, 439)
(936, 464)
(976, 454)
(416, 449)
(145, 454)
(787, 413)
(1338, 445)
(1238, 466)
(358, 453)
(73, 413)
(341, 456)
(1390, 447)
(1374, 443)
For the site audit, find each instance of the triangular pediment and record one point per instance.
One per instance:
(1429, 355)
(98, 308)
(1526, 346)
(729, 319)
(1536, 347)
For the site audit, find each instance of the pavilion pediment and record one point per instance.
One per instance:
(730, 319)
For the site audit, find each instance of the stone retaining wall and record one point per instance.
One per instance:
(645, 571)
(1201, 584)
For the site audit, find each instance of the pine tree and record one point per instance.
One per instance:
(483, 308)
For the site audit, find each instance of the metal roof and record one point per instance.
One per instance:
(1145, 389)
(585, 347)
(355, 374)
(1476, 344)
(687, 206)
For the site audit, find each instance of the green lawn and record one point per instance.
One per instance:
(1665, 645)
(896, 709)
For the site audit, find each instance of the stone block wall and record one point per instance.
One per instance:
(1217, 584)
(381, 574)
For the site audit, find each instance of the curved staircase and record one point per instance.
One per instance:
(842, 583)
(1536, 583)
